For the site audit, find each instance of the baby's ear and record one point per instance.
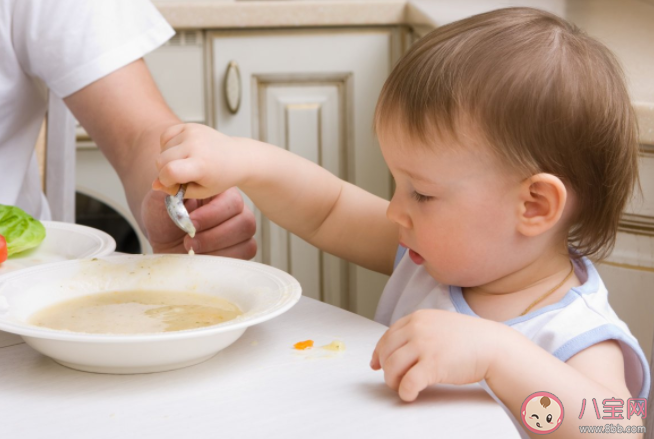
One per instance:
(542, 201)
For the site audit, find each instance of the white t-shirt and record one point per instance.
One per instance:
(61, 45)
(582, 318)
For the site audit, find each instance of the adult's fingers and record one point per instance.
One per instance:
(212, 211)
(243, 250)
(237, 229)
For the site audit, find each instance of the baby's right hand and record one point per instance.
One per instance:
(200, 156)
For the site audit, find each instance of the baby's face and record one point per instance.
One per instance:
(456, 206)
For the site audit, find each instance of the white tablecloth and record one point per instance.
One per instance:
(260, 387)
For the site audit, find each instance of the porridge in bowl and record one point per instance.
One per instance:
(136, 312)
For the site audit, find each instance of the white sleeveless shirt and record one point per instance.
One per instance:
(581, 319)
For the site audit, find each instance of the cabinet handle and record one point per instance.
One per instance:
(232, 87)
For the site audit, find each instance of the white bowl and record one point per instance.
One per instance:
(260, 291)
(63, 242)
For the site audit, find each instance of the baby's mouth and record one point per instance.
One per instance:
(538, 425)
(415, 257)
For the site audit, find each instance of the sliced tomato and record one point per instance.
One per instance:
(3, 249)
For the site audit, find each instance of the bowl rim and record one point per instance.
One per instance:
(106, 241)
(291, 290)
(105, 245)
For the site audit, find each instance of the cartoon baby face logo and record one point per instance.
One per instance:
(542, 412)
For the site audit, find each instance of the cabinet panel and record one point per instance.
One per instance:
(312, 92)
(629, 271)
(178, 70)
(304, 119)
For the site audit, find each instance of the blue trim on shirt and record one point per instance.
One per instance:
(591, 286)
(592, 283)
(459, 302)
(598, 335)
(401, 251)
(456, 295)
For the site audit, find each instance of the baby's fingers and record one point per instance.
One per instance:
(180, 171)
(414, 381)
(166, 139)
(374, 362)
(398, 364)
(391, 341)
(158, 186)
(171, 155)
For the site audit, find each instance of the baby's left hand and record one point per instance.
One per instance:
(435, 347)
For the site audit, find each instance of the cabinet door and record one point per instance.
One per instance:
(312, 92)
(629, 272)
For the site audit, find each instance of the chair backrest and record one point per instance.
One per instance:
(60, 160)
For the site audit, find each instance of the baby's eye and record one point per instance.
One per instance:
(534, 416)
(549, 418)
(421, 198)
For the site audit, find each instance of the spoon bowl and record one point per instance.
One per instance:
(178, 213)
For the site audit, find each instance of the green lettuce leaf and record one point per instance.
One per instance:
(21, 231)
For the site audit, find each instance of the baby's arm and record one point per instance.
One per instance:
(597, 372)
(434, 346)
(522, 368)
(300, 196)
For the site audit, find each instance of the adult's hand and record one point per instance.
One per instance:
(125, 115)
(224, 226)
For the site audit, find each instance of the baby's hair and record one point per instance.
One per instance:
(545, 96)
(545, 402)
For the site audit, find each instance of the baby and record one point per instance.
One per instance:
(513, 147)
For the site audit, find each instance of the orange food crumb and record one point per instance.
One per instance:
(302, 345)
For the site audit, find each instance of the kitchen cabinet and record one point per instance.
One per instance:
(312, 92)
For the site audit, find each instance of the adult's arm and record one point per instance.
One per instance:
(125, 114)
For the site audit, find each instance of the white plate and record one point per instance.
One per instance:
(63, 241)
(260, 291)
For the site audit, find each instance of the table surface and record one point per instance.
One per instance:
(258, 387)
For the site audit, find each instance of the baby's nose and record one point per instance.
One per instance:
(397, 214)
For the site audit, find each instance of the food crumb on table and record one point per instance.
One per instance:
(335, 346)
(302, 345)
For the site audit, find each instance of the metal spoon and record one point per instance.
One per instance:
(178, 213)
